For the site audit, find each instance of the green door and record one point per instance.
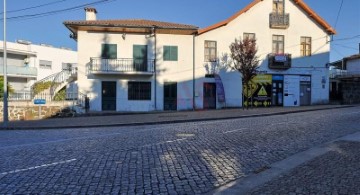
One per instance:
(170, 96)
(140, 57)
(108, 95)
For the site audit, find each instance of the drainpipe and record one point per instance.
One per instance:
(194, 72)
(155, 59)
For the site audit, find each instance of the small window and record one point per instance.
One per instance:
(139, 90)
(278, 44)
(305, 46)
(210, 51)
(278, 6)
(44, 64)
(170, 53)
(109, 51)
(249, 36)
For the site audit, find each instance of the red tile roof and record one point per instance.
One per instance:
(311, 13)
(134, 23)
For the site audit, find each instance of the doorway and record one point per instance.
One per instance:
(305, 93)
(108, 96)
(170, 96)
(209, 96)
(140, 57)
(277, 97)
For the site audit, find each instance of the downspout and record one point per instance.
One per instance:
(194, 71)
(155, 59)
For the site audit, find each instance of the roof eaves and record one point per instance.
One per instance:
(233, 17)
(302, 5)
(316, 17)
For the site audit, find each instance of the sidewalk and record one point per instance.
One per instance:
(331, 168)
(126, 119)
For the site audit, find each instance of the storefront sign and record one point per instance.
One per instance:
(259, 92)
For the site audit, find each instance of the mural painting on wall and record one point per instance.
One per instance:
(259, 90)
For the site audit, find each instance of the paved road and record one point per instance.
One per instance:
(184, 158)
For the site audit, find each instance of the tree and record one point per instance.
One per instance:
(9, 88)
(245, 60)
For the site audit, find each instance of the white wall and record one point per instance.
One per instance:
(180, 71)
(35, 53)
(256, 20)
(353, 65)
(56, 55)
(89, 45)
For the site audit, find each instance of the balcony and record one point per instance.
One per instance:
(279, 20)
(126, 66)
(19, 71)
(279, 61)
(343, 74)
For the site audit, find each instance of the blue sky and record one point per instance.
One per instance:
(201, 13)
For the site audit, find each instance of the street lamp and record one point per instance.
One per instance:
(5, 100)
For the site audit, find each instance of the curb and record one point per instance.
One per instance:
(173, 121)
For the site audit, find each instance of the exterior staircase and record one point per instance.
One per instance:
(57, 81)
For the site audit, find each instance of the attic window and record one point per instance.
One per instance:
(278, 6)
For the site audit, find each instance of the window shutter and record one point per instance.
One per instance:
(113, 51)
(166, 53)
(174, 53)
(109, 51)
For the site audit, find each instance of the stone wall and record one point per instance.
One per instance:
(27, 110)
(351, 91)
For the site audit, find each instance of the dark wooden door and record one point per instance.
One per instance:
(209, 96)
(170, 96)
(108, 89)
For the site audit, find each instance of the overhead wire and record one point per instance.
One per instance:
(31, 16)
(34, 7)
(338, 15)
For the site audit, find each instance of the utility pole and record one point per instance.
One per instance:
(5, 99)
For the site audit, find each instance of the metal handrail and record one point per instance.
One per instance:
(121, 65)
(60, 78)
(343, 74)
(279, 19)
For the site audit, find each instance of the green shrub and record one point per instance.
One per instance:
(41, 86)
(61, 95)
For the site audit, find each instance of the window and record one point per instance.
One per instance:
(109, 51)
(44, 64)
(278, 44)
(139, 90)
(210, 51)
(305, 46)
(170, 53)
(249, 35)
(278, 6)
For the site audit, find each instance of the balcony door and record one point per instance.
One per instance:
(108, 95)
(140, 57)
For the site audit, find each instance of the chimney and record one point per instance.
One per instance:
(90, 13)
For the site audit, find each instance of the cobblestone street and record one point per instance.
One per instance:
(336, 172)
(182, 158)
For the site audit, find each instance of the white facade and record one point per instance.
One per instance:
(28, 63)
(190, 71)
(256, 20)
(353, 65)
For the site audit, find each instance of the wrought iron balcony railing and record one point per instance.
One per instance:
(279, 61)
(279, 20)
(121, 65)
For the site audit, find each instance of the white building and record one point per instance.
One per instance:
(142, 65)
(28, 63)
